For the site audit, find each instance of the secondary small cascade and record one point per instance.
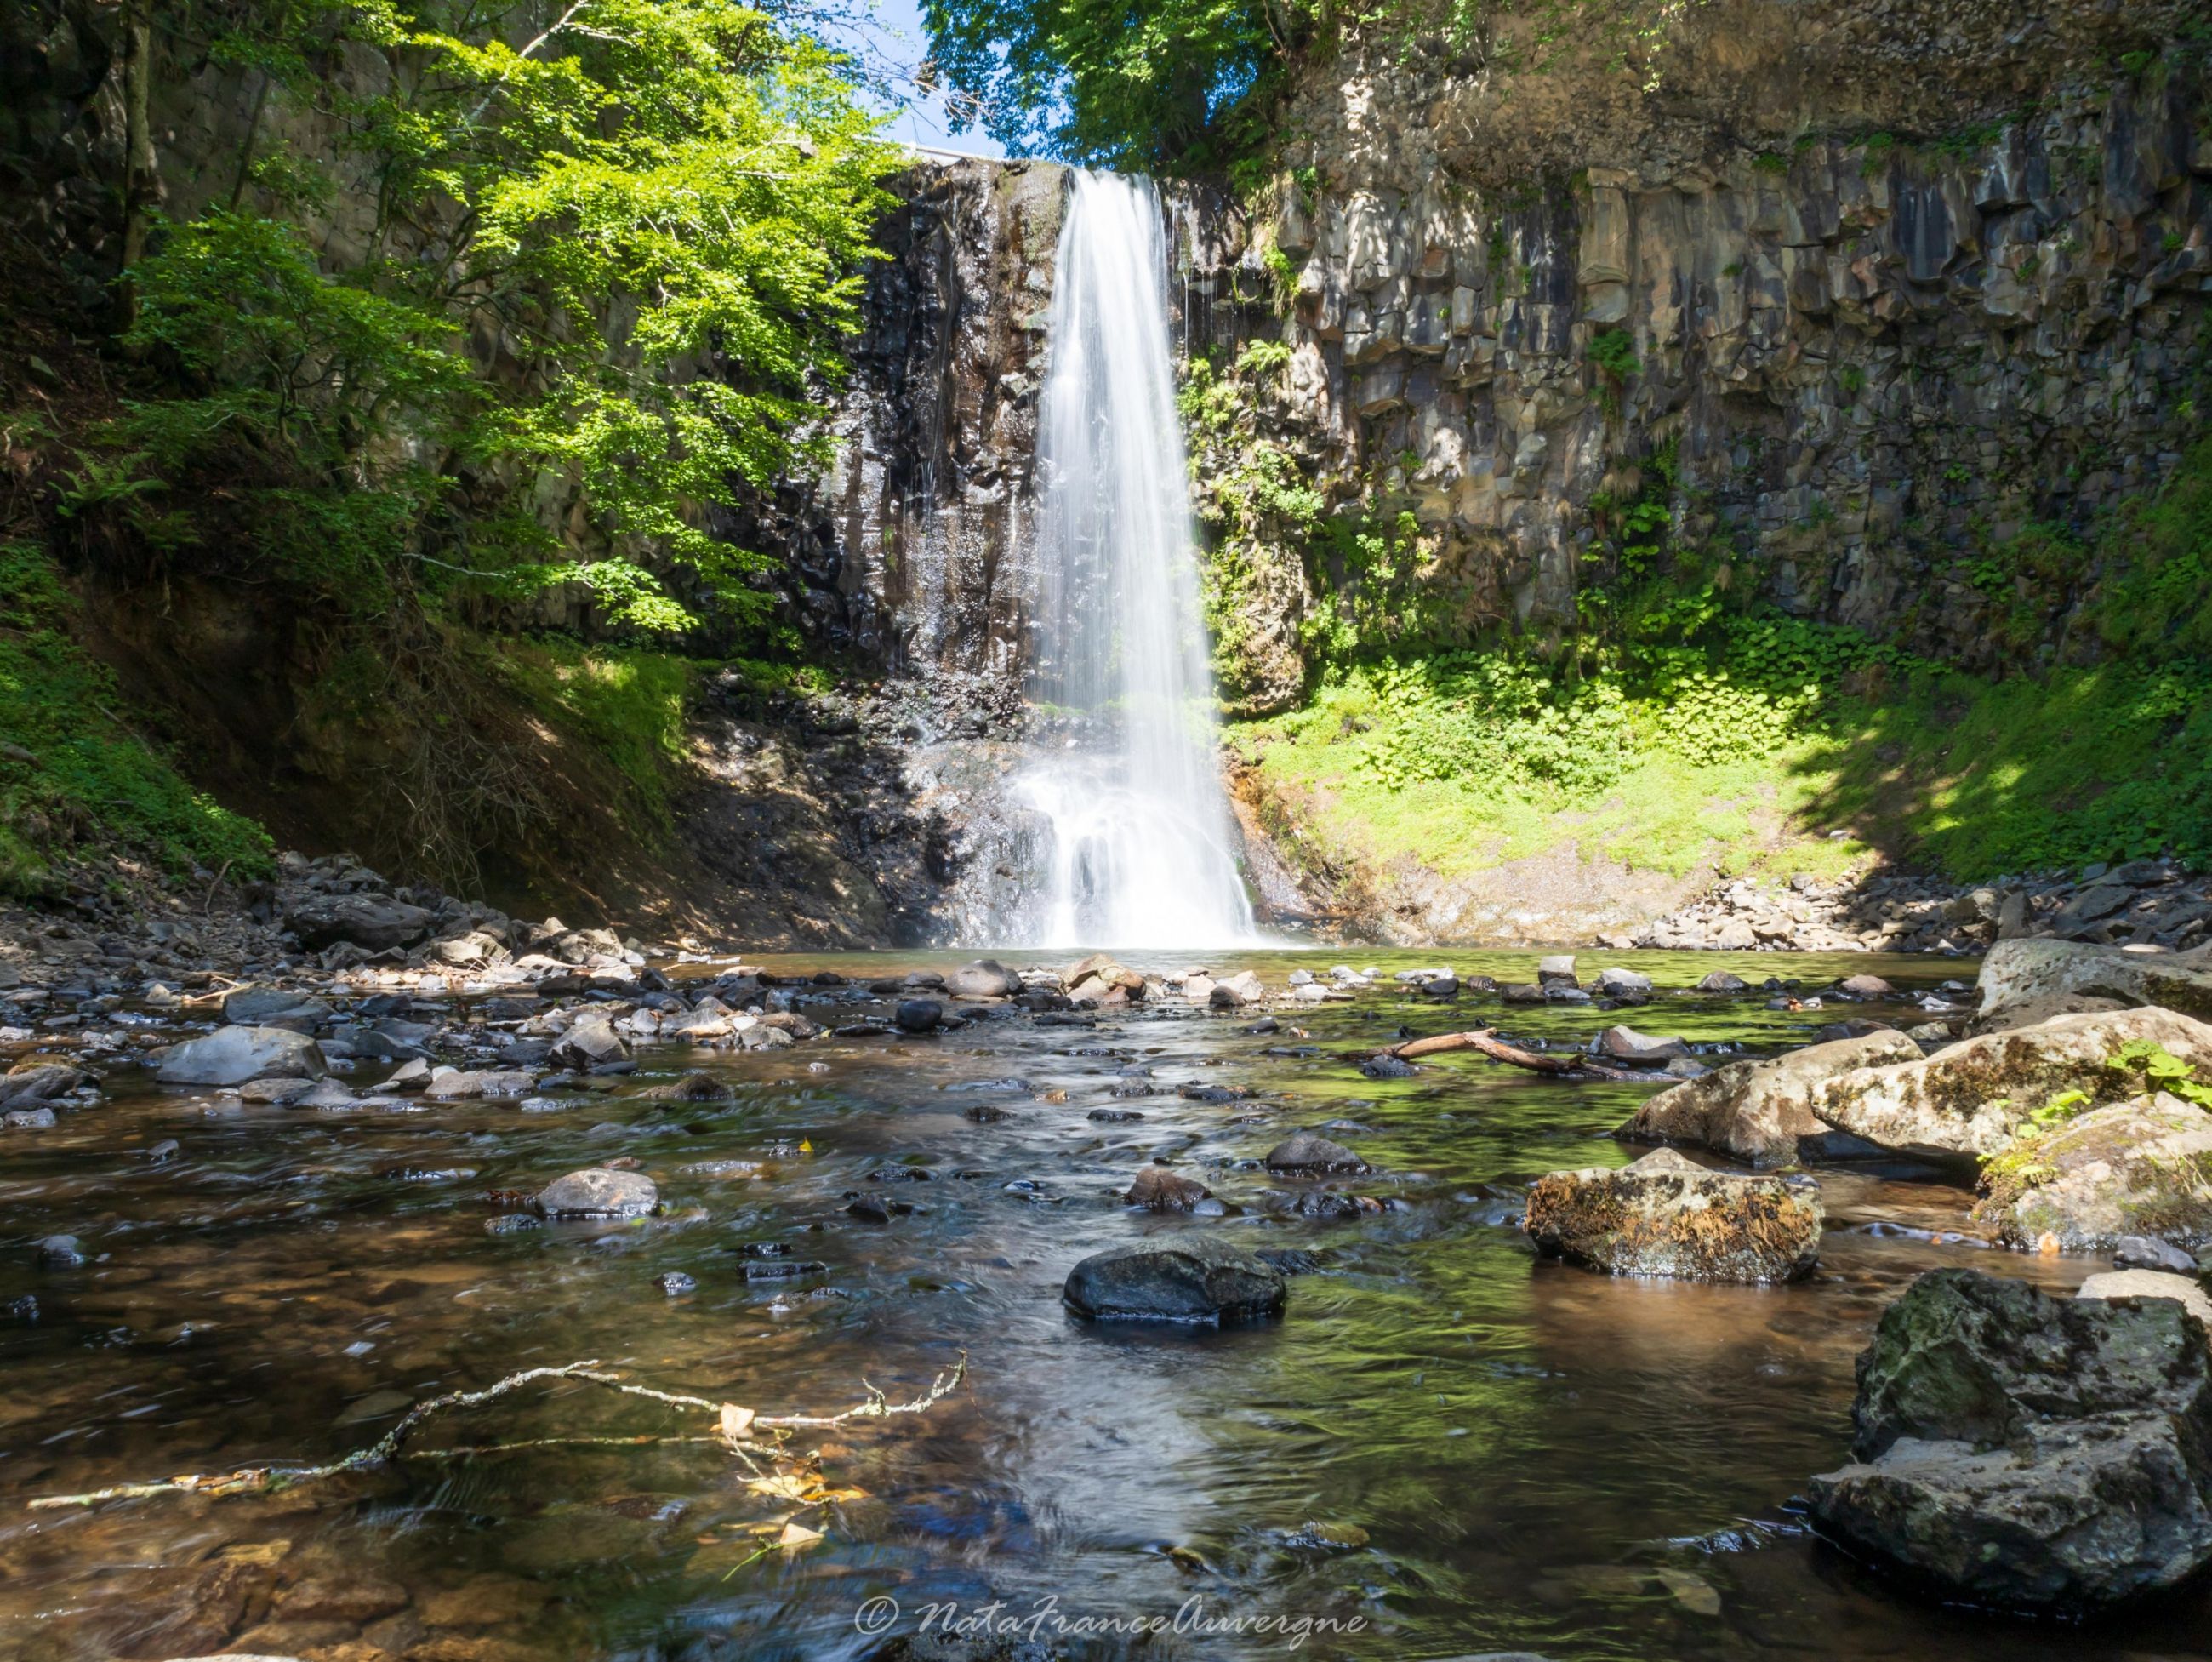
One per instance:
(1139, 848)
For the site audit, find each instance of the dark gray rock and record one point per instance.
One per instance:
(2028, 1452)
(1188, 1277)
(374, 923)
(1306, 1152)
(61, 1252)
(918, 1015)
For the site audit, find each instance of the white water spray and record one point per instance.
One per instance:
(1141, 852)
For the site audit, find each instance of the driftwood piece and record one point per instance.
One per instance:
(1570, 1064)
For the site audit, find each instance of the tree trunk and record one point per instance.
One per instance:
(139, 186)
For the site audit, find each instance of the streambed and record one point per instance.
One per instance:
(1503, 1453)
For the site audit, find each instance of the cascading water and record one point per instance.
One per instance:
(1138, 850)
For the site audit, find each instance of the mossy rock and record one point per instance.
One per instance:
(2134, 1168)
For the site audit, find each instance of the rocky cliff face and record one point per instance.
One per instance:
(1857, 292)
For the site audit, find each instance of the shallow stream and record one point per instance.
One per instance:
(1508, 1454)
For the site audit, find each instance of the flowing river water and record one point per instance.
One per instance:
(1507, 1453)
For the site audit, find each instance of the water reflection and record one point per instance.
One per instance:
(1520, 1455)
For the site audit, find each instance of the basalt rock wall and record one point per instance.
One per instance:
(1859, 291)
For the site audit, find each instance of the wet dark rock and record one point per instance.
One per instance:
(1113, 1116)
(61, 1252)
(1190, 1277)
(1264, 1025)
(374, 922)
(28, 1119)
(1215, 1093)
(232, 1056)
(986, 1113)
(1159, 1189)
(1303, 1153)
(780, 1269)
(1665, 1216)
(874, 1209)
(1720, 981)
(1522, 992)
(1293, 1260)
(918, 1015)
(164, 1151)
(273, 1007)
(1334, 1205)
(2028, 1452)
(860, 1030)
(598, 1191)
(675, 1283)
(1383, 1065)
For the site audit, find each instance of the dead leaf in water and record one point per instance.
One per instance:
(796, 1538)
(736, 1423)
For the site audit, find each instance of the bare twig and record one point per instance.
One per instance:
(389, 1447)
(1566, 1065)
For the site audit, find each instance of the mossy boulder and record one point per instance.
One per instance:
(2142, 1167)
(1669, 1216)
(2028, 1452)
(2018, 971)
(1969, 1100)
(1758, 1111)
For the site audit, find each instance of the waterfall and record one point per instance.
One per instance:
(1137, 846)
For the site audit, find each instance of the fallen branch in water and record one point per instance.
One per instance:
(734, 1428)
(1571, 1064)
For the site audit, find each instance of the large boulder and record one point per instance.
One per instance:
(2027, 1452)
(985, 978)
(597, 1192)
(1970, 1099)
(1759, 1112)
(2142, 1167)
(1667, 1215)
(374, 922)
(1308, 1154)
(1181, 1278)
(2017, 972)
(232, 1056)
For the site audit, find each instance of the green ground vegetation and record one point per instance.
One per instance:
(1677, 728)
(75, 774)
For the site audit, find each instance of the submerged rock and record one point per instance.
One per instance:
(1185, 1278)
(1970, 1099)
(1759, 1112)
(1666, 1215)
(918, 1016)
(2085, 1183)
(597, 1192)
(2028, 1452)
(232, 1056)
